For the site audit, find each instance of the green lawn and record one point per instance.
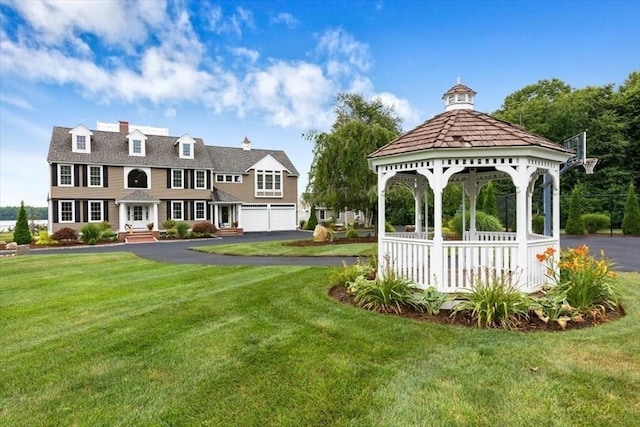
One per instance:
(117, 340)
(276, 248)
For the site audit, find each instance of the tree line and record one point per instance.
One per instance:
(340, 178)
(10, 213)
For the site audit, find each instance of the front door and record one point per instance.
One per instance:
(138, 216)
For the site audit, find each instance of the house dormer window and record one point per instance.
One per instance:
(80, 139)
(137, 143)
(81, 143)
(186, 147)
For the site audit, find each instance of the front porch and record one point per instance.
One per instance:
(457, 264)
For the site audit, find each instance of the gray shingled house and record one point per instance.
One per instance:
(135, 176)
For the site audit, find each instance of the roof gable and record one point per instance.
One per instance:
(268, 162)
(136, 134)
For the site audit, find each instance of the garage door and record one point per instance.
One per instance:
(283, 217)
(275, 217)
(255, 218)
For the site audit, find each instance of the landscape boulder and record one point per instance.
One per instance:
(321, 234)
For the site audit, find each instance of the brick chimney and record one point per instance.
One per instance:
(124, 126)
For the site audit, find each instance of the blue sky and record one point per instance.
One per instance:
(269, 70)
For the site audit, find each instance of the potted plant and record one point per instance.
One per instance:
(234, 224)
(150, 226)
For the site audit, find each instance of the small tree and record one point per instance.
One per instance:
(575, 225)
(631, 220)
(489, 202)
(22, 234)
(313, 219)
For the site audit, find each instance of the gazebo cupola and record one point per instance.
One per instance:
(459, 97)
(468, 148)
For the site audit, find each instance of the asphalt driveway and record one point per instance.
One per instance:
(624, 251)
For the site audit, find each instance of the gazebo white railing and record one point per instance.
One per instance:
(465, 261)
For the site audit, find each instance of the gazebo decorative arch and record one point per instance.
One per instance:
(468, 147)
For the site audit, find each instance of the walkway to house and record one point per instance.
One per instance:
(622, 250)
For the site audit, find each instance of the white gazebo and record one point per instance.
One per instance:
(470, 148)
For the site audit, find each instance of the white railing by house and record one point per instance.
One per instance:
(464, 262)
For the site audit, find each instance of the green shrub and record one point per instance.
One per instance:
(389, 228)
(90, 232)
(431, 300)
(595, 222)
(92, 241)
(537, 224)
(484, 222)
(168, 224)
(172, 232)
(108, 235)
(349, 273)
(183, 229)
(204, 229)
(313, 220)
(386, 294)
(302, 222)
(351, 233)
(65, 234)
(574, 225)
(104, 226)
(22, 234)
(495, 301)
(44, 239)
(489, 201)
(631, 219)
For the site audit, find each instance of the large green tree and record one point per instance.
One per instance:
(340, 177)
(21, 234)
(553, 109)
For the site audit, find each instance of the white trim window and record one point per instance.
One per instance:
(229, 178)
(65, 175)
(201, 179)
(177, 176)
(136, 147)
(66, 211)
(268, 183)
(177, 210)
(95, 210)
(200, 210)
(186, 150)
(95, 176)
(81, 143)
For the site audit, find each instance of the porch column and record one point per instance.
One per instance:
(215, 215)
(154, 217)
(239, 213)
(554, 178)
(417, 197)
(122, 217)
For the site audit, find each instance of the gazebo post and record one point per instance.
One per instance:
(417, 197)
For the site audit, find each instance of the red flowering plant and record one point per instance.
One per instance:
(581, 283)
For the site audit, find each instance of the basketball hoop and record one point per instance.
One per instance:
(589, 164)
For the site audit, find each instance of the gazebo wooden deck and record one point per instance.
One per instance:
(470, 148)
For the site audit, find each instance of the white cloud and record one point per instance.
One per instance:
(250, 54)
(410, 115)
(285, 18)
(232, 23)
(345, 54)
(292, 94)
(175, 66)
(60, 22)
(16, 102)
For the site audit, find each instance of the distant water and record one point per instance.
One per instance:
(6, 225)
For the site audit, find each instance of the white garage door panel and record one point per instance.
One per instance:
(283, 218)
(255, 218)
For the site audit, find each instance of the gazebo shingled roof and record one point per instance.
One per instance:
(464, 129)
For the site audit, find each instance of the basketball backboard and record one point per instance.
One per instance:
(577, 143)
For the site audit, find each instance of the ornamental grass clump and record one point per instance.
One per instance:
(588, 284)
(386, 294)
(495, 301)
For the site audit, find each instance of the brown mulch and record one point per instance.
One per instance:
(340, 241)
(533, 324)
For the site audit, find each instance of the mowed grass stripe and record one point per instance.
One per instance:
(194, 345)
(277, 248)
